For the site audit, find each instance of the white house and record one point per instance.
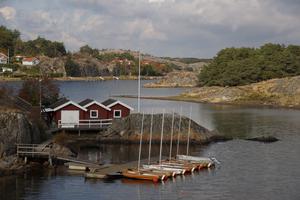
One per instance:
(6, 69)
(30, 61)
(3, 58)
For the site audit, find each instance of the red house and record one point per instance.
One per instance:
(118, 109)
(95, 110)
(88, 113)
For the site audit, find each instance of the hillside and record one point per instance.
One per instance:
(276, 92)
(175, 79)
(54, 60)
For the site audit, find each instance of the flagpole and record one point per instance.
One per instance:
(139, 84)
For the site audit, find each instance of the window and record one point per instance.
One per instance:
(94, 114)
(117, 113)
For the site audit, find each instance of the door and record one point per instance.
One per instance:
(69, 118)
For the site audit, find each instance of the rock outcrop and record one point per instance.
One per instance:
(276, 92)
(128, 129)
(15, 128)
(176, 79)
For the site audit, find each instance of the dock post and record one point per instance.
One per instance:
(79, 133)
(50, 160)
(25, 160)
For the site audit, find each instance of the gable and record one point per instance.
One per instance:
(61, 107)
(120, 104)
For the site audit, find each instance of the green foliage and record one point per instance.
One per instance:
(33, 71)
(72, 68)
(148, 70)
(241, 66)
(108, 57)
(41, 46)
(89, 51)
(8, 40)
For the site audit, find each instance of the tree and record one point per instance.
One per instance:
(72, 68)
(32, 88)
(241, 66)
(8, 39)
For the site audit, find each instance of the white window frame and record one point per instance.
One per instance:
(93, 117)
(117, 111)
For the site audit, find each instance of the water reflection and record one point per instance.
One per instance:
(122, 153)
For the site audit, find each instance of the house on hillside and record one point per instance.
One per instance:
(88, 114)
(3, 58)
(6, 69)
(30, 61)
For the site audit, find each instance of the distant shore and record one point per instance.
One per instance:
(98, 78)
(195, 100)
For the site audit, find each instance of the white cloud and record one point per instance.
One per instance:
(8, 13)
(162, 27)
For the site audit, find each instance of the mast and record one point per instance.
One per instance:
(8, 56)
(139, 84)
(161, 136)
(150, 139)
(189, 132)
(179, 127)
(171, 140)
(141, 139)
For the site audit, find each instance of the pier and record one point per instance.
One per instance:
(44, 151)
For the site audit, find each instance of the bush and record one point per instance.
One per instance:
(72, 68)
(241, 66)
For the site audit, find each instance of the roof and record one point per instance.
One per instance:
(59, 103)
(29, 59)
(3, 55)
(62, 103)
(88, 102)
(85, 102)
(111, 102)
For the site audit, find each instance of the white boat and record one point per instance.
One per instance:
(210, 162)
(187, 168)
(167, 169)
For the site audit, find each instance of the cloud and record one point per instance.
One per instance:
(162, 27)
(8, 13)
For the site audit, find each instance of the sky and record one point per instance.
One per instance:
(177, 28)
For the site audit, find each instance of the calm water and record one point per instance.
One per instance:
(249, 170)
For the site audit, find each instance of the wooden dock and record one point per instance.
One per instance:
(44, 151)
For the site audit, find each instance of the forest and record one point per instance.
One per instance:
(241, 66)
(11, 41)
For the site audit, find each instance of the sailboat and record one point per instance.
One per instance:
(203, 162)
(178, 170)
(144, 174)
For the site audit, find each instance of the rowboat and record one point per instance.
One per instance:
(143, 175)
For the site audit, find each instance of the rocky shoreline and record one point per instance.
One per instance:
(283, 93)
(175, 79)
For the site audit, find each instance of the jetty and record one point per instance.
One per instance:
(44, 151)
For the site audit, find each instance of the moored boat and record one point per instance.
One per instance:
(166, 169)
(207, 162)
(146, 175)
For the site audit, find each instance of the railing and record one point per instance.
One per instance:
(33, 150)
(92, 123)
